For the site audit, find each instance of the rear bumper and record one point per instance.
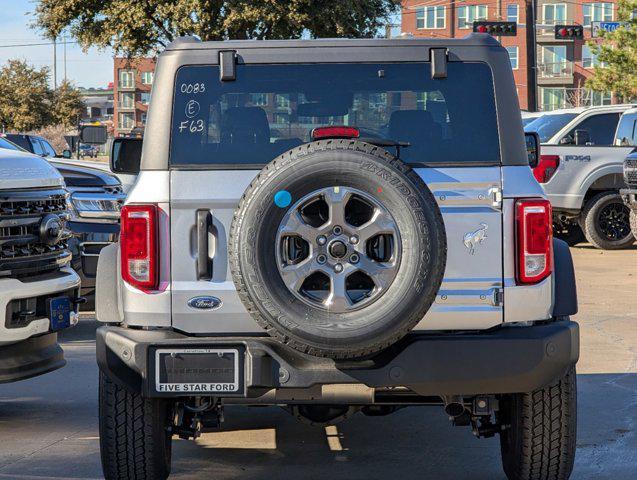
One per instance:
(508, 359)
(30, 358)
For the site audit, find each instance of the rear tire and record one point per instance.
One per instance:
(135, 442)
(605, 222)
(540, 442)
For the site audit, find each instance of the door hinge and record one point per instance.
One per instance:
(496, 197)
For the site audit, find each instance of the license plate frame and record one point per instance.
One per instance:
(205, 361)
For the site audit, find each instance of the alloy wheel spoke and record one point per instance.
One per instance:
(294, 275)
(295, 225)
(336, 199)
(380, 222)
(381, 273)
(338, 299)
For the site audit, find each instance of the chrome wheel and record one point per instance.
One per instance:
(338, 249)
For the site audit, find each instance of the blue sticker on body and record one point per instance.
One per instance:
(282, 198)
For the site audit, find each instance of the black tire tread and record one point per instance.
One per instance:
(129, 444)
(588, 217)
(233, 247)
(542, 433)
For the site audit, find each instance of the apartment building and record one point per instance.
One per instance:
(562, 65)
(133, 81)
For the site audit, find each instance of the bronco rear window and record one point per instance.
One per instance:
(270, 109)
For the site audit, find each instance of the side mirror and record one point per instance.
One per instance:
(126, 155)
(566, 140)
(582, 137)
(66, 154)
(532, 148)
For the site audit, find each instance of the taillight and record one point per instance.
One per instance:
(534, 233)
(138, 244)
(546, 167)
(335, 132)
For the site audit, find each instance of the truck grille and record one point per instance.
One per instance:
(630, 170)
(33, 234)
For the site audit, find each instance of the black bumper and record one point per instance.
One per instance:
(88, 240)
(504, 360)
(30, 358)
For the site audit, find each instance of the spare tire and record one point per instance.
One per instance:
(337, 248)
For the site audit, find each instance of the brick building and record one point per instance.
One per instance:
(133, 81)
(562, 65)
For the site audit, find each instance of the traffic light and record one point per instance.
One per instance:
(497, 29)
(569, 32)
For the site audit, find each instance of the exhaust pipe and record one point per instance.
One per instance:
(454, 405)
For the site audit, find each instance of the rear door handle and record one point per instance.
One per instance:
(204, 230)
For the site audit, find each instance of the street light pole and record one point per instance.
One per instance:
(531, 56)
(55, 64)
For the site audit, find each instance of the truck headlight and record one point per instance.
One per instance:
(103, 206)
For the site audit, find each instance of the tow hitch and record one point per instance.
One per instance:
(193, 416)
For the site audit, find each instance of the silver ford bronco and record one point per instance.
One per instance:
(336, 226)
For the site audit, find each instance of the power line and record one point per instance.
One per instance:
(30, 44)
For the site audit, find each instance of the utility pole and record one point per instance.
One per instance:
(55, 64)
(64, 40)
(531, 56)
(452, 19)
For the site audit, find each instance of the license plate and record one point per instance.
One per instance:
(60, 308)
(197, 370)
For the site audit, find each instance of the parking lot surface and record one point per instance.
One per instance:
(48, 425)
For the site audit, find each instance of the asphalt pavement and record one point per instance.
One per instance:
(48, 425)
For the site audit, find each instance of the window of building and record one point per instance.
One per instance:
(282, 101)
(126, 120)
(552, 98)
(126, 79)
(589, 59)
(513, 12)
(126, 100)
(513, 57)
(553, 13)
(147, 78)
(601, 98)
(142, 118)
(259, 99)
(430, 17)
(468, 14)
(144, 98)
(597, 12)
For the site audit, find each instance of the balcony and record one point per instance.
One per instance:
(558, 73)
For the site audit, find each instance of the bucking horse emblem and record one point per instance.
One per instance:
(472, 239)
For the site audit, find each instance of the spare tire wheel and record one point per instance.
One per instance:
(337, 248)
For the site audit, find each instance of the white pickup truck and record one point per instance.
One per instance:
(39, 291)
(580, 168)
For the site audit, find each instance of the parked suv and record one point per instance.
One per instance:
(581, 171)
(39, 291)
(336, 226)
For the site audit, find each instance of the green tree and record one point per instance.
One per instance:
(25, 97)
(618, 51)
(67, 105)
(138, 27)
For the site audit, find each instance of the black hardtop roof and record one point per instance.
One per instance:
(471, 40)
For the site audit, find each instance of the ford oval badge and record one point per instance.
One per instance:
(204, 303)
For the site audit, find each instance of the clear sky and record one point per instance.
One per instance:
(91, 69)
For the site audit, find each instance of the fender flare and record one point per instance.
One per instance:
(564, 287)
